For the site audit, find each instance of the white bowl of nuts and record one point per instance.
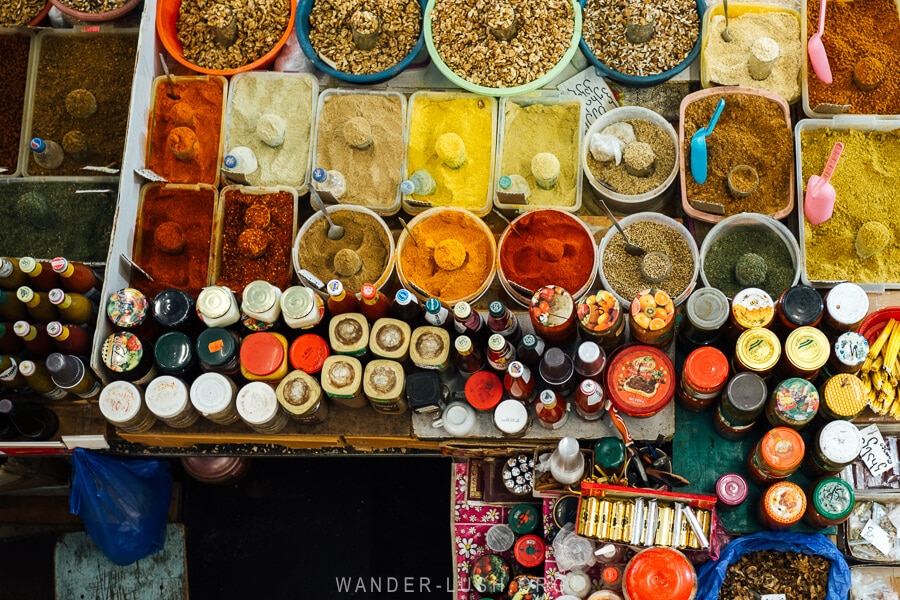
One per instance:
(506, 48)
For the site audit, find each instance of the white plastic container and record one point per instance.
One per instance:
(652, 200)
(549, 98)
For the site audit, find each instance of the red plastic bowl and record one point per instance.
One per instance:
(167, 16)
(875, 322)
(109, 15)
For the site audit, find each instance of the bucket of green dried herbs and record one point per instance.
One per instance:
(750, 250)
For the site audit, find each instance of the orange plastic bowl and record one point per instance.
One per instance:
(167, 16)
(109, 15)
(872, 325)
(40, 16)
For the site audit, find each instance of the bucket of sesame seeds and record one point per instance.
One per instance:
(625, 275)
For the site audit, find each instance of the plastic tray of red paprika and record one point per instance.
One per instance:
(640, 380)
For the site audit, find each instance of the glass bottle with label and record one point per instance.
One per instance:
(10, 378)
(436, 314)
(530, 350)
(502, 320)
(35, 338)
(69, 373)
(38, 305)
(519, 382)
(339, 301)
(406, 307)
(261, 305)
(551, 409)
(11, 276)
(70, 339)
(73, 308)
(589, 400)
(40, 273)
(468, 359)
(38, 377)
(373, 304)
(77, 277)
(10, 343)
(11, 308)
(500, 353)
(469, 322)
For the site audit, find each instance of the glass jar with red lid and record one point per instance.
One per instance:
(703, 376)
(777, 455)
(660, 572)
(782, 505)
(551, 409)
(484, 390)
(308, 353)
(530, 551)
(640, 380)
(264, 356)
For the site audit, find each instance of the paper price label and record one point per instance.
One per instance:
(773, 597)
(150, 175)
(878, 537)
(108, 170)
(875, 454)
(597, 95)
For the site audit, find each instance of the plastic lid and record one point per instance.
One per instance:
(752, 307)
(213, 302)
(796, 401)
(528, 341)
(211, 393)
(54, 328)
(308, 353)
(172, 308)
(404, 297)
(490, 574)
(120, 401)
(256, 402)
(500, 537)
(424, 389)
(511, 417)
(298, 393)
(319, 174)
(166, 396)
(657, 573)
(731, 489)
(758, 349)
(523, 518)
(747, 392)
(173, 351)
(784, 502)
(706, 368)
(610, 575)
(458, 418)
(262, 353)
(407, 186)
(833, 498)
(368, 291)
(259, 296)
(505, 182)
(844, 395)
(65, 369)
(462, 310)
(59, 264)
(297, 302)
(37, 145)
(21, 328)
(433, 305)
(516, 369)
(27, 368)
(529, 551)
(384, 379)
(782, 449)
(127, 307)
(496, 342)
(25, 294)
(840, 442)
(847, 303)
(496, 309)
(556, 366)
(851, 349)
(802, 305)
(122, 351)
(216, 346)
(807, 348)
(640, 380)
(56, 296)
(609, 453)
(707, 308)
(334, 287)
(484, 390)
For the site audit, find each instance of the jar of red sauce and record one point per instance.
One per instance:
(589, 400)
(782, 505)
(519, 382)
(552, 313)
(777, 455)
(703, 376)
(660, 573)
(551, 409)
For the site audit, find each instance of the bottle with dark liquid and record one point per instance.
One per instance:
(501, 320)
(467, 358)
(406, 307)
(35, 338)
(70, 339)
(530, 351)
(40, 273)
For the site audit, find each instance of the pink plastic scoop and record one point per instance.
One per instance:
(816, 50)
(818, 203)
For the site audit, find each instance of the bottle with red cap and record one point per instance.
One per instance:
(611, 577)
(40, 273)
(373, 304)
(70, 339)
(38, 305)
(77, 277)
(11, 308)
(339, 301)
(11, 276)
(35, 338)
(73, 308)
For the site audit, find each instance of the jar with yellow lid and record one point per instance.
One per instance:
(389, 338)
(264, 356)
(342, 381)
(348, 333)
(776, 456)
(751, 307)
(843, 397)
(806, 350)
(782, 505)
(384, 383)
(300, 395)
(757, 351)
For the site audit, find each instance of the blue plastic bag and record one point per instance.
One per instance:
(124, 503)
(712, 575)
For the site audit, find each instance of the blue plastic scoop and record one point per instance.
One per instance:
(698, 145)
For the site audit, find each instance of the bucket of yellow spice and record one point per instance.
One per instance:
(449, 255)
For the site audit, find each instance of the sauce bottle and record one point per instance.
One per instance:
(500, 353)
(501, 320)
(38, 377)
(11, 308)
(10, 378)
(11, 276)
(77, 277)
(530, 350)
(436, 314)
(69, 373)
(40, 274)
(70, 339)
(406, 307)
(519, 382)
(589, 400)
(467, 358)
(73, 308)
(374, 305)
(339, 301)
(35, 338)
(551, 409)
(37, 304)
(469, 322)
(10, 343)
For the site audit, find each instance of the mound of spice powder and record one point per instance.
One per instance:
(14, 50)
(438, 243)
(191, 211)
(251, 247)
(548, 247)
(204, 97)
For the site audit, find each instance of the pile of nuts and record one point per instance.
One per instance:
(772, 572)
(330, 33)
(677, 30)
(94, 6)
(461, 34)
(259, 24)
(19, 13)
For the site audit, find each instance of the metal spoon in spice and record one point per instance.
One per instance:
(726, 35)
(408, 230)
(165, 68)
(335, 232)
(632, 249)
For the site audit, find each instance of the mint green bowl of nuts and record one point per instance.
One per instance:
(472, 50)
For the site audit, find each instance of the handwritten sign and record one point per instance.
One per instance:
(598, 97)
(878, 537)
(875, 454)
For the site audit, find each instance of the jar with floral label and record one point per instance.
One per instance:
(794, 403)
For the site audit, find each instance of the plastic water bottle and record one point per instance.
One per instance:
(420, 183)
(241, 160)
(329, 182)
(47, 153)
(514, 184)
